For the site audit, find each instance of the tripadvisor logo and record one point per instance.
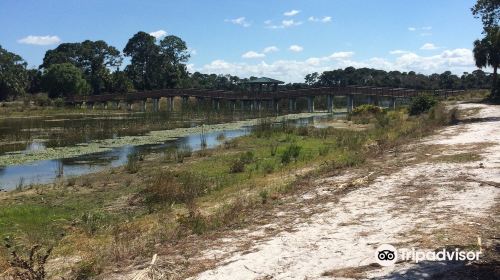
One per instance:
(387, 255)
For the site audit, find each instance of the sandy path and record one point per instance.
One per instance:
(405, 207)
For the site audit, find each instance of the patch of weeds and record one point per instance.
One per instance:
(71, 181)
(292, 152)
(457, 158)
(303, 131)
(237, 166)
(193, 221)
(91, 222)
(247, 157)
(421, 104)
(273, 148)
(171, 187)
(220, 137)
(268, 167)
(27, 265)
(324, 150)
(132, 165)
(263, 194)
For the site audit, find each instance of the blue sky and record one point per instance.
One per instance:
(283, 39)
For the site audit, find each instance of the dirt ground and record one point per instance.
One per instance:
(439, 192)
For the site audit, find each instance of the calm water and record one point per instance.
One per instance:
(40, 133)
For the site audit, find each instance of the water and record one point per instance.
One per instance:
(40, 133)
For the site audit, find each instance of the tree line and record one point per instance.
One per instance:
(94, 67)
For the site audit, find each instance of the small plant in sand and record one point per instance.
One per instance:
(30, 265)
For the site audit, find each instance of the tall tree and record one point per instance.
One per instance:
(174, 54)
(145, 63)
(93, 58)
(487, 53)
(64, 80)
(489, 11)
(13, 74)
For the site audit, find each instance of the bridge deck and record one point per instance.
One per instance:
(282, 94)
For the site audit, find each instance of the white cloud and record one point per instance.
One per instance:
(291, 13)
(289, 23)
(323, 20)
(398, 52)
(455, 60)
(425, 30)
(271, 49)
(428, 47)
(341, 55)
(239, 21)
(326, 19)
(252, 54)
(192, 51)
(296, 48)
(284, 24)
(158, 34)
(39, 40)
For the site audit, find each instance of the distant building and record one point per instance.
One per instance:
(261, 85)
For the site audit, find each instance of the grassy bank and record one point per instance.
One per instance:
(126, 214)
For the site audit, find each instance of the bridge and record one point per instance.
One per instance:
(254, 100)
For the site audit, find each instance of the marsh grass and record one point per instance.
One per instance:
(459, 158)
(167, 201)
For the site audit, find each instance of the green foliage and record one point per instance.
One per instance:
(366, 109)
(489, 11)
(264, 194)
(29, 267)
(156, 66)
(421, 104)
(64, 80)
(238, 165)
(91, 222)
(92, 58)
(13, 74)
(487, 53)
(173, 187)
(292, 152)
(132, 165)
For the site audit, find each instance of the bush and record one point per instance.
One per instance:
(42, 99)
(247, 157)
(59, 102)
(366, 109)
(291, 153)
(421, 104)
(268, 167)
(168, 186)
(132, 165)
(237, 166)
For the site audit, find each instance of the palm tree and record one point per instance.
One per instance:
(487, 53)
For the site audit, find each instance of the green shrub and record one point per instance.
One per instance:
(132, 165)
(292, 152)
(324, 150)
(237, 166)
(247, 157)
(268, 167)
(168, 186)
(366, 109)
(263, 194)
(421, 104)
(59, 102)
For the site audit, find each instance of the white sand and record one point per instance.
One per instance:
(346, 233)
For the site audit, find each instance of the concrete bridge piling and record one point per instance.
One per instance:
(253, 101)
